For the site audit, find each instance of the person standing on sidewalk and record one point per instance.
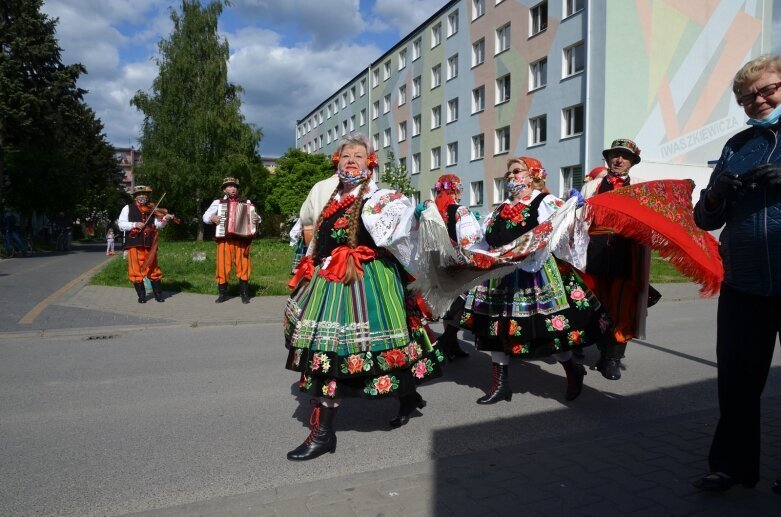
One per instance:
(233, 251)
(743, 197)
(142, 225)
(110, 242)
(614, 268)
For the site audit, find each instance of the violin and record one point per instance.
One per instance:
(158, 211)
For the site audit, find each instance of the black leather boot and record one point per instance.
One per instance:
(140, 291)
(223, 290)
(321, 438)
(500, 387)
(448, 344)
(244, 290)
(157, 289)
(407, 405)
(575, 373)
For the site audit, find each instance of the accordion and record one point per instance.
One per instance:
(235, 220)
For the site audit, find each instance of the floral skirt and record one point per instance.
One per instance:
(358, 340)
(534, 314)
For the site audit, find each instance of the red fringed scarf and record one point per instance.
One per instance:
(658, 214)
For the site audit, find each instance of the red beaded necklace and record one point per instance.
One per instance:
(334, 206)
(513, 212)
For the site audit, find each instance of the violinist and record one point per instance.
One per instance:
(232, 250)
(141, 220)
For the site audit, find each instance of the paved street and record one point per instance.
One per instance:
(183, 408)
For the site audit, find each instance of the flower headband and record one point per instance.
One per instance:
(536, 170)
(448, 185)
(371, 160)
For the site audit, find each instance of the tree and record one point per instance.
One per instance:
(34, 84)
(193, 132)
(294, 177)
(395, 175)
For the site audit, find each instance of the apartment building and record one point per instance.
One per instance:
(483, 80)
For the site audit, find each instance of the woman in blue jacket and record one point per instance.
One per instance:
(744, 197)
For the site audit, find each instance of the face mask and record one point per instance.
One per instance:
(514, 187)
(770, 120)
(350, 179)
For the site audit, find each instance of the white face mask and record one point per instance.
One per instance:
(350, 179)
(771, 120)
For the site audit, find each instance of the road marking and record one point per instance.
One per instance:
(38, 309)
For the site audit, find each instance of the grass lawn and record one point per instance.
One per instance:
(271, 260)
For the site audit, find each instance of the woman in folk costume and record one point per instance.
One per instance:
(347, 325)
(547, 311)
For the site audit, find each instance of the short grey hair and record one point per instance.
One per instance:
(355, 139)
(751, 71)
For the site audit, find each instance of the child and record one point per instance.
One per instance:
(110, 242)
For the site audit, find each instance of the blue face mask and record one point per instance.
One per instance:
(770, 120)
(514, 187)
(351, 180)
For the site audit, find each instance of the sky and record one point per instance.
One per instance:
(287, 55)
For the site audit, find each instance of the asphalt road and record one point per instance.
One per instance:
(118, 421)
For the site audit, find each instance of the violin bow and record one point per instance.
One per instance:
(153, 212)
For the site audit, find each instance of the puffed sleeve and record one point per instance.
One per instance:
(389, 217)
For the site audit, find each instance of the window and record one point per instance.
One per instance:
(502, 38)
(502, 144)
(478, 147)
(503, 89)
(328, 111)
(375, 109)
(402, 59)
(436, 156)
(386, 103)
(375, 77)
(336, 107)
(436, 117)
(402, 131)
(452, 153)
(436, 76)
(403, 164)
(362, 117)
(416, 125)
(568, 175)
(572, 6)
(452, 110)
(386, 70)
(344, 100)
(416, 87)
(476, 193)
(362, 87)
(436, 35)
(352, 123)
(416, 49)
(499, 194)
(478, 99)
(352, 94)
(320, 117)
(538, 18)
(402, 95)
(478, 9)
(415, 163)
(573, 60)
(344, 127)
(328, 137)
(452, 23)
(572, 121)
(538, 74)
(386, 137)
(538, 130)
(452, 67)
(416, 197)
(478, 52)
(376, 140)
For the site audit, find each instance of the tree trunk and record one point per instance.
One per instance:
(199, 208)
(2, 166)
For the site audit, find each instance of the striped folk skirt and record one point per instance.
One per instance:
(534, 314)
(358, 340)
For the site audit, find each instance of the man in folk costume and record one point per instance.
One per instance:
(616, 267)
(232, 250)
(141, 225)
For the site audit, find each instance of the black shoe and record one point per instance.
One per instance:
(223, 290)
(157, 289)
(715, 482)
(611, 369)
(776, 486)
(500, 387)
(244, 291)
(407, 405)
(575, 374)
(322, 437)
(140, 291)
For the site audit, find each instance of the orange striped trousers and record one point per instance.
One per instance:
(233, 253)
(136, 257)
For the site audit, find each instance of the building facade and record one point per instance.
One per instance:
(481, 81)
(128, 158)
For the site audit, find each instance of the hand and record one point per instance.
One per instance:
(138, 225)
(419, 210)
(725, 187)
(767, 174)
(215, 219)
(168, 217)
(577, 195)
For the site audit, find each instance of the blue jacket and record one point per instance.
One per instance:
(750, 243)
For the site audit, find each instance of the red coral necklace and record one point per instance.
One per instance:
(334, 206)
(513, 213)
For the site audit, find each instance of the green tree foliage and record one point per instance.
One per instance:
(395, 175)
(295, 175)
(52, 147)
(193, 132)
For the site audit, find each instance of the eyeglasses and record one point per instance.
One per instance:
(517, 170)
(764, 92)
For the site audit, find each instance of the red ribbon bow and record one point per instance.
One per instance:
(338, 266)
(305, 268)
(618, 181)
